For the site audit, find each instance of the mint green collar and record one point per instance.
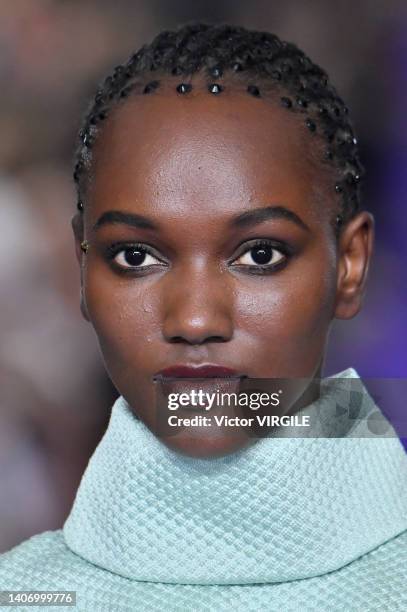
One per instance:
(283, 509)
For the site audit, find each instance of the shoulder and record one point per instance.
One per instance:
(36, 563)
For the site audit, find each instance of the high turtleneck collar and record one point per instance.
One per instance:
(283, 509)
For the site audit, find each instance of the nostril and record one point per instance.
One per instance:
(177, 339)
(181, 339)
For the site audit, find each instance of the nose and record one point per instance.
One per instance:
(198, 309)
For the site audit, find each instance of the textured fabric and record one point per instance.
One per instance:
(290, 523)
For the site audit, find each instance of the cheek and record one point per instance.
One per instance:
(125, 316)
(286, 316)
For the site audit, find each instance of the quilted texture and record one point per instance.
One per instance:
(290, 523)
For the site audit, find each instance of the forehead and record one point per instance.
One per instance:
(165, 151)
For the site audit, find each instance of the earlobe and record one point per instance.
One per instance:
(84, 309)
(355, 252)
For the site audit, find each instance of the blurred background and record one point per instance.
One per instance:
(55, 396)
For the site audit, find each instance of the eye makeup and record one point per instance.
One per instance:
(136, 255)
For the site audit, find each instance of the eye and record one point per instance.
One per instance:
(262, 254)
(134, 256)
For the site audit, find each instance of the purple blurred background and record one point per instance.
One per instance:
(55, 394)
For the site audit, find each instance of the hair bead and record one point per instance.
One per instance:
(310, 125)
(183, 88)
(215, 88)
(352, 179)
(253, 90)
(77, 171)
(286, 102)
(84, 246)
(216, 72)
(79, 205)
(338, 188)
(150, 87)
(86, 140)
(125, 92)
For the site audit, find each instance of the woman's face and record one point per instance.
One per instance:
(199, 180)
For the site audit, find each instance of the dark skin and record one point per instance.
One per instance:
(190, 166)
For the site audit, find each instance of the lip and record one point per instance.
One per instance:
(206, 370)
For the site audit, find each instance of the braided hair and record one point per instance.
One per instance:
(246, 55)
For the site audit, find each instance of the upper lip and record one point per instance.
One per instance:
(205, 370)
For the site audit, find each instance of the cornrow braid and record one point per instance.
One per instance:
(302, 87)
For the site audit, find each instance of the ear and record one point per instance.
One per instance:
(77, 227)
(355, 252)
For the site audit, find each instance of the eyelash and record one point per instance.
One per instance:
(264, 268)
(119, 247)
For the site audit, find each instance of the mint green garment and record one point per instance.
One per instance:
(288, 524)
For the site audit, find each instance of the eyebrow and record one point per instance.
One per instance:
(246, 219)
(258, 215)
(119, 217)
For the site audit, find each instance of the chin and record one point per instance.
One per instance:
(204, 446)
